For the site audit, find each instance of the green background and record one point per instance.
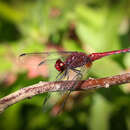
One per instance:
(82, 25)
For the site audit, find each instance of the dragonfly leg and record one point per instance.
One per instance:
(63, 104)
(45, 101)
(68, 94)
(78, 73)
(58, 75)
(62, 76)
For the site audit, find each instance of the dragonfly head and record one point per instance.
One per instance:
(60, 66)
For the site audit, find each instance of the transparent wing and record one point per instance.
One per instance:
(52, 98)
(42, 58)
(76, 75)
(49, 101)
(41, 63)
(38, 61)
(79, 74)
(45, 57)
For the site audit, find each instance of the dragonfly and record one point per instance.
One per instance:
(66, 61)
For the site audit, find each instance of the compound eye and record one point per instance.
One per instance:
(61, 64)
(58, 67)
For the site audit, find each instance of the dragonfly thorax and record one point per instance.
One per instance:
(60, 66)
(77, 59)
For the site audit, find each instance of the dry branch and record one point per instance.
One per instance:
(43, 87)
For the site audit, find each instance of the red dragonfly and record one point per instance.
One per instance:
(64, 61)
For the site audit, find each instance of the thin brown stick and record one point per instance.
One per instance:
(43, 87)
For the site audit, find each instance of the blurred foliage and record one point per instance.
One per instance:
(82, 25)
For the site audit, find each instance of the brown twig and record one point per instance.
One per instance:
(43, 87)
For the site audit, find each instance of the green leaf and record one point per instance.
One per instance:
(100, 113)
